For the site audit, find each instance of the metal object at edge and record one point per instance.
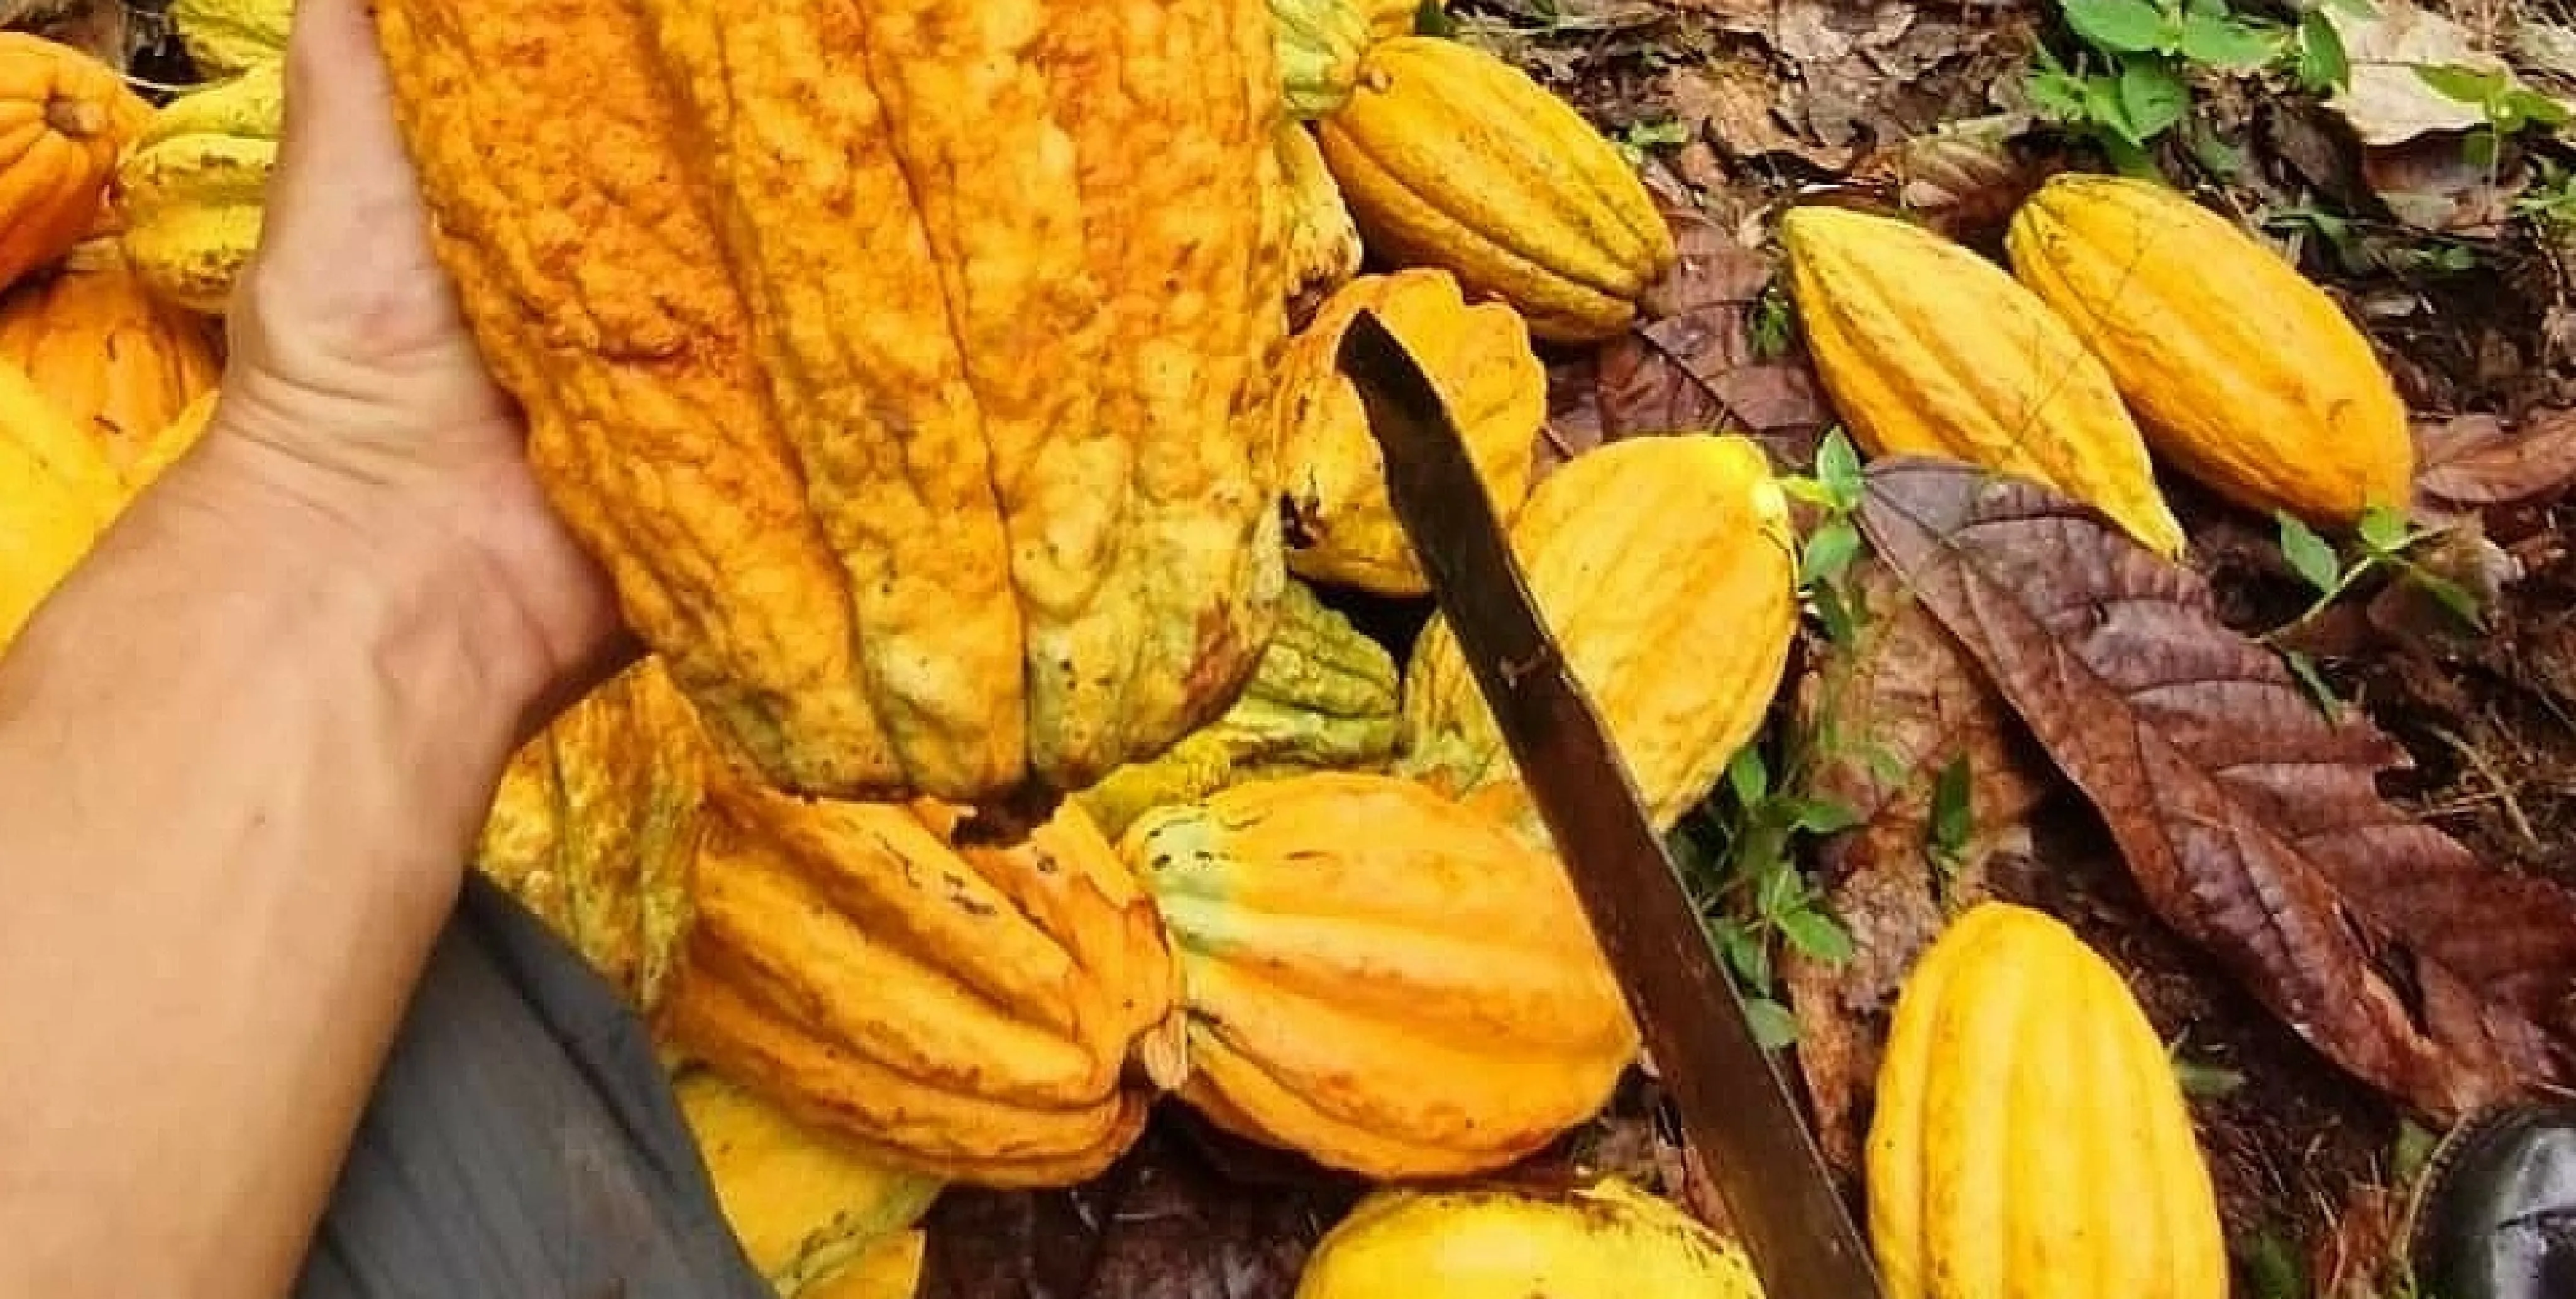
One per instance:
(1735, 1107)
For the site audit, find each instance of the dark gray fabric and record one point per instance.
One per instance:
(522, 1143)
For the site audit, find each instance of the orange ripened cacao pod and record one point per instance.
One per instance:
(1451, 157)
(1342, 528)
(2244, 374)
(1665, 568)
(1926, 348)
(910, 375)
(64, 117)
(116, 359)
(1378, 977)
(2030, 1136)
(996, 1015)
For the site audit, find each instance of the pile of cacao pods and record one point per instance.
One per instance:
(1006, 763)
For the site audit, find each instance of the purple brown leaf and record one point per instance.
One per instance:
(2477, 460)
(2250, 819)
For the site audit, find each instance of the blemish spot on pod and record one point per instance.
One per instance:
(2244, 374)
(1926, 348)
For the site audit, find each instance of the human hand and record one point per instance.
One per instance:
(356, 401)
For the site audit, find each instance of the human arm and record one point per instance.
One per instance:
(245, 747)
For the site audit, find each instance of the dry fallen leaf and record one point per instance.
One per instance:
(1694, 368)
(1163, 1223)
(2478, 460)
(2386, 101)
(1890, 716)
(2250, 820)
(1963, 180)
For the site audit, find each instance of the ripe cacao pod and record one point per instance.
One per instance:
(2244, 374)
(1342, 527)
(1012, 525)
(194, 187)
(1380, 978)
(1608, 1240)
(58, 492)
(2030, 1136)
(1926, 348)
(68, 116)
(226, 38)
(1451, 157)
(805, 1209)
(113, 357)
(595, 827)
(1666, 570)
(1320, 43)
(1324, 696)
(1324, 249)
(969, 1012)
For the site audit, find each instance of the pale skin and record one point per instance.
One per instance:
(245, 749)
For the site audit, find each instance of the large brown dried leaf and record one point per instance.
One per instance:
(1888, 716)
(2251, 821)
(1163, 1223)
(2477, 460)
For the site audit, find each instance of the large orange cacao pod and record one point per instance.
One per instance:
(64, 118)
(2030, 1136)
(990, 1014)
(119, 361)
(1926, 348)
(1378, 977)
(1665, 567)
(908, 371)
(1451, 157)
(1341, 526)
(2244, 374)
(58, 492)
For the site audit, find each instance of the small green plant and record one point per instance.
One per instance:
(2506, 104)
(1741, 846)
(1770, 324)
(1641, 138)
(1954, 820)
(2130, 81)
(2549, 201)
(2382, 537)
(1825, 557)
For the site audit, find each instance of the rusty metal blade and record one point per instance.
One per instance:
(1735, 1106)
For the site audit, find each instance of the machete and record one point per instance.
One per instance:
(1735, 1107)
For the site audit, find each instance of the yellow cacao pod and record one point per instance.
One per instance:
(1320, 43)
(226, 38)
(1926, 348)
(194, 187)
(2030, 1136)
(58, 492)
(1608, 1240)
(1451, 157)
(1665, 568)
(2244, 374)
(907, 366)
(1342, 527)
(1380, 978)
(119, 361)
(805, 1209)
(1324, 696)
(1324, 249)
